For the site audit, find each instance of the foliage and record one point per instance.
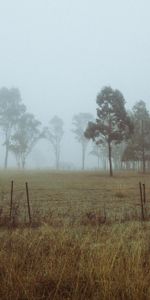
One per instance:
(27, 133)
(113, 124)
(11, 109)
(138, 148)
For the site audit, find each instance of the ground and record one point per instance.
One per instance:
(86, 240)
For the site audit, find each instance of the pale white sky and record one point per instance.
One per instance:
(60, 53)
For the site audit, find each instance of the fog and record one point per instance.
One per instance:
(61, 53)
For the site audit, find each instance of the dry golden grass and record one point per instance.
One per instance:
(90, 243)
(69, 196)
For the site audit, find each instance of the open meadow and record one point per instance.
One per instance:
(86, 239)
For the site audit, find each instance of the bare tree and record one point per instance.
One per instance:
(54, 134)
(80, 123)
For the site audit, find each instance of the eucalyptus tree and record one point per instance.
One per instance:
(54, 134)
(27, 133)
(80, 123)
(138, 148)
(113, 124)
(11, 109)
(96, 151)
(100, 152)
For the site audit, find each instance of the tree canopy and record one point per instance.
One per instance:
(138, 147)
(113, 124)
(27, 133)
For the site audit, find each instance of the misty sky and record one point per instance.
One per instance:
(60, 53)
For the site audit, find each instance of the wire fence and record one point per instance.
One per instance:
(25, 203)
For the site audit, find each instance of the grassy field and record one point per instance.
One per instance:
(86, 240)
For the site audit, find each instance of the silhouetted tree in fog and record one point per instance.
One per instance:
(54, 134)
(113, 124)
(27, 133)
(80, 123)
(138, 148)
(97, 152)
(11, 109)
(117, 154)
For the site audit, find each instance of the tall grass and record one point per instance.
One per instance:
(106, 262)
(88, 242)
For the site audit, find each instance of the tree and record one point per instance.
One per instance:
(138, 148)
(100, 151)
(11, 108)
(113, 124)
(54, 134)
(117, 154)
(26, 135)
(96, 151)
(80, 123)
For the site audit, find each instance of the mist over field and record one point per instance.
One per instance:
(60, 54)
(74, 150)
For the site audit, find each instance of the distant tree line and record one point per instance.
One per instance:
(21, 130)
(120, 138)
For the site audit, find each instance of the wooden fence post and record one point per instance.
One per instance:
(11, 199)
(144, 193)
(28, 202)
(142, 202)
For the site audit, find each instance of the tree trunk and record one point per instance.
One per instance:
(83, 157)
(143, 159)
(23, 165)
(23, 162)
(57, 162)
(110, 158)
(6, 156)
(7, 142)
(57, 156)
(143, 149)
(98, 162)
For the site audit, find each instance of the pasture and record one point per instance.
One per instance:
(86, 240)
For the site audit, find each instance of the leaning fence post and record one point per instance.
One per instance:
(144, 193)
(141, 198)
(144, 199)
(28, 202)
(11, 199)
